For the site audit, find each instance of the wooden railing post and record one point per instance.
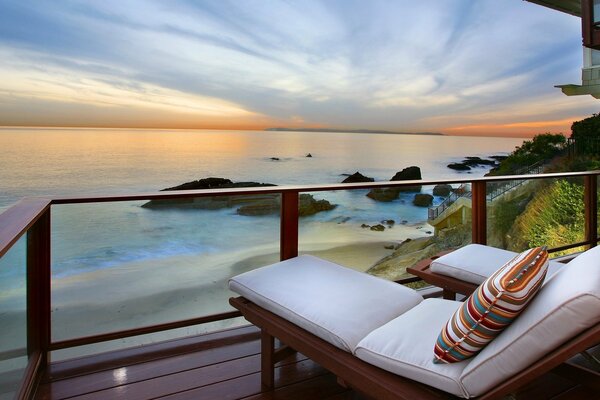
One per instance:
(288, 241)
(38, 288)
(479, 212)
(590, 201)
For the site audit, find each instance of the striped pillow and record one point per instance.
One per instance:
(492, 307)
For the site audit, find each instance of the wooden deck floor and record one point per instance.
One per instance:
(223, 366)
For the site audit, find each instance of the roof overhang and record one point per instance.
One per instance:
(572, 7)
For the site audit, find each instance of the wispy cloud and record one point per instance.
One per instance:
(399, 65)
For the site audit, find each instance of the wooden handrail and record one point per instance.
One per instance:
(179, 194)
(15, 221)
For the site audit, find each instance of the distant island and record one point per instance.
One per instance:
(349, 131)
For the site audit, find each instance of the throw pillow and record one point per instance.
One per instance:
(492, 306)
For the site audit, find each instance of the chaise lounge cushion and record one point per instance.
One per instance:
(492, 307)
(335, 303)
(474, 263)
(403, 346)
(567, 304)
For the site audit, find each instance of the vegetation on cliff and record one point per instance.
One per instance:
(541, 148)
(553, 217)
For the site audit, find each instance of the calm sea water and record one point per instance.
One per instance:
(62, 162)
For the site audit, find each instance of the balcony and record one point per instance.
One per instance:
(221, 364)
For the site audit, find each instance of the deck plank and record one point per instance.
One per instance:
(225, 365)
(249, 385)
(106, 379)
(321, 387)
(166, 349)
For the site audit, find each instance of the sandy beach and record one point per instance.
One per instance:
(159, 290)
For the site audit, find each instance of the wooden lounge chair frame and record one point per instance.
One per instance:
(373, 381)
(449, 285)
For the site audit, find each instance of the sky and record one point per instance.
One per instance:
(462, 67)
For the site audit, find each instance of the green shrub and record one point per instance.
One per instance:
(586, 128)
(554, 217)
(541, 148)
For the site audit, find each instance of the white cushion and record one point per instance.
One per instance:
(404, 346)
(475, 263)
(568, 303)
(335, 303)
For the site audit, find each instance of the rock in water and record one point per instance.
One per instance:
(264, 207)
(357, 177)
(210, 203)
(459, 167)
(408, 174)
(390, 194)
(206, 183)
(387, 194)
(423, 200)
(442, 190)
(378, 228)
(309, 155)
(307, 205)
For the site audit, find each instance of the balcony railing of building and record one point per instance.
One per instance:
(31, 217)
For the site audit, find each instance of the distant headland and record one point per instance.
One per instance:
(349, 131)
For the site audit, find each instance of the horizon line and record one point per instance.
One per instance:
(350, 130)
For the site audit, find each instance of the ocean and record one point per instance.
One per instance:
(110, 254)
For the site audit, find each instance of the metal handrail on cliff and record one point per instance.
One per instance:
(498, 191)
(502, 188)
(436, 211)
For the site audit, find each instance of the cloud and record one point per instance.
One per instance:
(399, 65)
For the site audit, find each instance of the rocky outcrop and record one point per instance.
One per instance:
(307, 205)
(423, 200)
(390, 194)
(469, 162)
(442, 190)
(210, 203)
(408, 174)
(357, 177)
(459, 167)
(409, 252)
(255, 205)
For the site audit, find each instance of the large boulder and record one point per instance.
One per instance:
(307, 205)
(423, 200)
(408, 174)
(357, 177)
(264, 207)
(213, 202)
(442, 190)
(459, 167)
(390, 194)
(385, 194)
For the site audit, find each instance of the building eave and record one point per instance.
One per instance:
(572, 7)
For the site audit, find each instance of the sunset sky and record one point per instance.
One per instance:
(453, 66)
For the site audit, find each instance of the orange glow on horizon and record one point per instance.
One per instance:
(518, 129)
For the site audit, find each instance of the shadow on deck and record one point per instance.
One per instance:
(222, 365)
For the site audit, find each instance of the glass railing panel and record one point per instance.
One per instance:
(598, 206)
(384, 231)
(13, 318)
(536, 212)
(125, 265)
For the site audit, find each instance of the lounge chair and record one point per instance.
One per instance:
(378, 337)
(463, 270)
